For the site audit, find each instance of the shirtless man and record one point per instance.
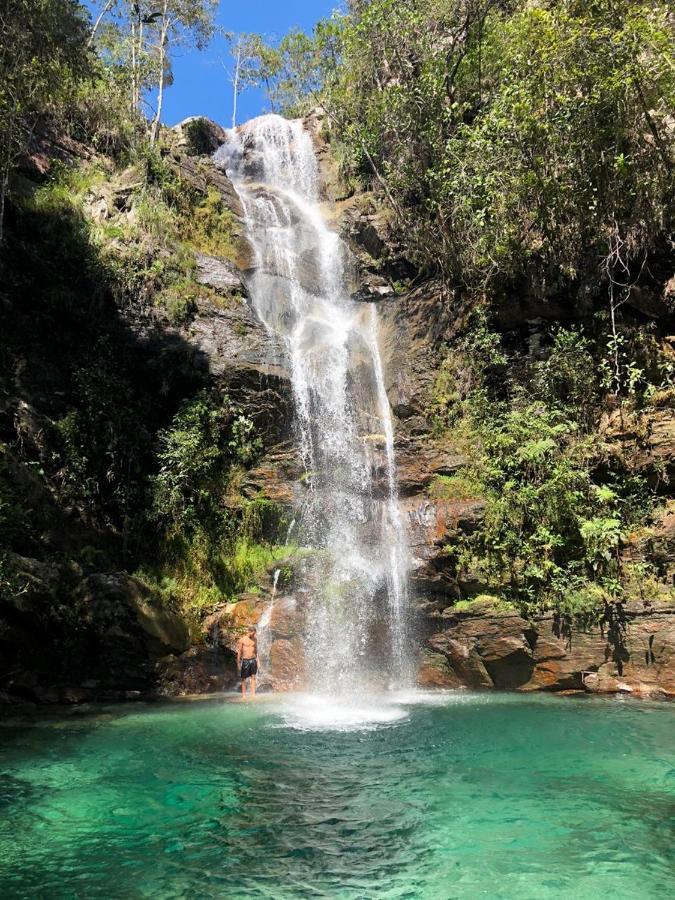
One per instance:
(247, 660)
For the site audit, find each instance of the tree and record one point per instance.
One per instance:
(43, 49)
(177, 22)
(245, 50)
(509, 136)
(295, 70)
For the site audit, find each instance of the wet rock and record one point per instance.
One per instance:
(287, 620)
(435, 671)
(287, 664)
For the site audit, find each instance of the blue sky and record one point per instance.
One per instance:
(201, 85)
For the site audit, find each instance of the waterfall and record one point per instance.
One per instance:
(265, 635)
(356, 555)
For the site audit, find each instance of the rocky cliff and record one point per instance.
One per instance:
(129, 642)
(464, 640)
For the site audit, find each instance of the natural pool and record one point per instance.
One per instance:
(417, 795)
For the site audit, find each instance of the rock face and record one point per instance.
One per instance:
(632, 651)
(220, 274)
(200, 670)
(129, 632)
(231, 343)
(210, 665)
(116, 637)
(645, 440)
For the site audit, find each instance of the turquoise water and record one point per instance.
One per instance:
(457, 795)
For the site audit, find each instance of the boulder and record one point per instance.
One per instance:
(200, 670)
(199, 136)
(435, 671)
(486, 647)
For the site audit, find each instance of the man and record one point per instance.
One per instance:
(247, 660)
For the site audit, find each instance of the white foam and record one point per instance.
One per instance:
(319, 712)
(365, 712)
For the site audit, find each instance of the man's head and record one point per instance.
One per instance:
(251, 632)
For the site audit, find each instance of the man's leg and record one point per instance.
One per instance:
(243, 688)
(252, 685)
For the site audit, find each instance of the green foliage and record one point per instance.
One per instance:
(499, 604)
(568, 378)
(461, 486)
(198, 137)
(98, 112)
(513, 140)
(193, 455)
(556, 512)
(583, 602)
(210, 227)
(42, 53)
(293, 70)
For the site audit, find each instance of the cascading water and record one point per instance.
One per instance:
(355, 563)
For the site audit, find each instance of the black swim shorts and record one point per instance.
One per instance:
(248, 667)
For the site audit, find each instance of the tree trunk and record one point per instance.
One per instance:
(154, 130)
(133, 66)
(98, 21)
(235, 83)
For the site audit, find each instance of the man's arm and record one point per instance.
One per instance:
(239, 647)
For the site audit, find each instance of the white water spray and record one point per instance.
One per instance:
(354, 578)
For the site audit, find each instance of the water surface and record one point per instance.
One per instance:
(412, 795)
